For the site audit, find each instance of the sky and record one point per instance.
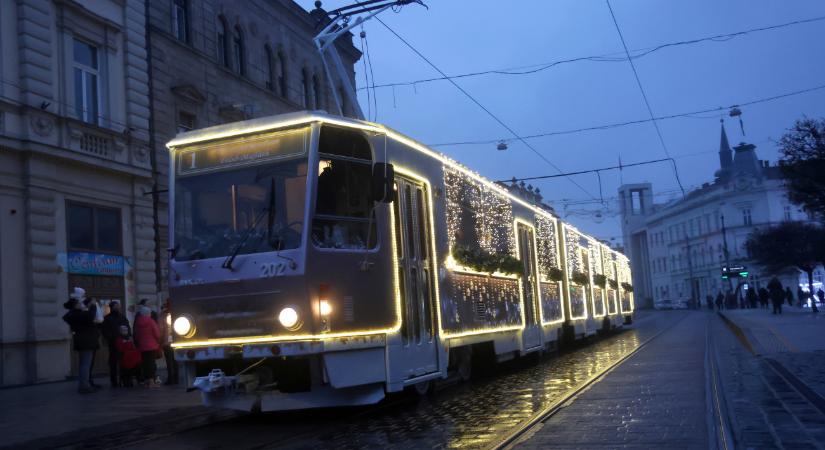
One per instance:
(461, 36)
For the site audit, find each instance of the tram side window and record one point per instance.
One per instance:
(343, 203)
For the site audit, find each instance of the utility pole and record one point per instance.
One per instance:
(725, 250)
(693, 293)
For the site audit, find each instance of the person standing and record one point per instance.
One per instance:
(147, 340)
(777, 295)
(130, 357)
(789, 296)
(709, 301)
(85, 336)
(752, 298)
(720, 300)
(800, 296)
(821, 296)
(166, 343)
(764, 297)
(111, 331)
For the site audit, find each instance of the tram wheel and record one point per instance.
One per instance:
(423, 389)
(464, 365)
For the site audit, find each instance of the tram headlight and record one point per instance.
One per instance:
(289, 318)
(183, 327)
(324, 308)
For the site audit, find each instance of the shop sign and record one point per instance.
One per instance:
(94, 264)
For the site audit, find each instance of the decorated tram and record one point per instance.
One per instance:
(322, 261)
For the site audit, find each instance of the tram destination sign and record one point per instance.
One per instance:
(238, 152)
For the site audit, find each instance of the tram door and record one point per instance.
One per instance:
(418, 355)
(529, 279)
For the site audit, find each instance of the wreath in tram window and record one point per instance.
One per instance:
(613, 283)
(555, 274)
(627, 287)
(599, 279)
(482, 261)
(580, 278)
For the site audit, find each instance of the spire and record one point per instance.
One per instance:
(725, 152)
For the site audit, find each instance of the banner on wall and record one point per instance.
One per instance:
(94, 264)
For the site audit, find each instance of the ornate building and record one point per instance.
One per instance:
(677, 248)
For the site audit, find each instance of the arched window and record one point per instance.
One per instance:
(305, 89)
(221, 42)
(270, 68)
(281, 71)
(238, 51)
(316, 92)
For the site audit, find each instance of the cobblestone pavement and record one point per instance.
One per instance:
(655, 399)
(471, 415)
(765, 410)
(808, 366)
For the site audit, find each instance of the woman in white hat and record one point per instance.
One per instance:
(85, 335)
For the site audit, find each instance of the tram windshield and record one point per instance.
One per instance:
(244, 197)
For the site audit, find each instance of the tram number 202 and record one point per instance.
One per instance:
(269, 270)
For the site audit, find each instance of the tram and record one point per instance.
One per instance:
(322, 261)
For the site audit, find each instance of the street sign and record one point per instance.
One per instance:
(734, 272)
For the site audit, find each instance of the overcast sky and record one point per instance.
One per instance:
(461, 36)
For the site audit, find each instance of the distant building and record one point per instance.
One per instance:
(676, 248)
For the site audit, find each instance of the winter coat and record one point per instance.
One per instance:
(147, 334)
(111, 326)
(85, 335)
(129, 355)
(776, 291)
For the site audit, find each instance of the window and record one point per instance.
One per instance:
(787, 212)
(270, 68)
(316, 92)
(221, 42)
(180, 20)
(636, 202)
(746, 217)
(238, 63)
(186, 122)
(306, 100)
(281, 70)
(93, 228)
(342, 97)
(86, 82)
(343, 205)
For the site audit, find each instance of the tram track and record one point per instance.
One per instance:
(525, 430)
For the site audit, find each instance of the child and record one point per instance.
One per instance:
(130, 357)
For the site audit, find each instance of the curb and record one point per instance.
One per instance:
(739, 333)
(132, 431)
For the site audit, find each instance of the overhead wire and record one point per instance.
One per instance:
(485, 109)
(372, 77)
(634, 122)
(607, 57)
(366, 73)
(644, 96)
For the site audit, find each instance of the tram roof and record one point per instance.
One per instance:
(263, 124)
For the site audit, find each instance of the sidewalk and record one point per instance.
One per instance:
(54, 414)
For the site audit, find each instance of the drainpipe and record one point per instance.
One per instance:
(153, 153)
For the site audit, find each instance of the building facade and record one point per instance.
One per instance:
(677, 249)
(74, 164)
(90, 92)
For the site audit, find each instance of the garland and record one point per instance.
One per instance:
(555, 274)
(482, 261)
(613, 284)
(599, 279)
(580, 278)
(627, 287)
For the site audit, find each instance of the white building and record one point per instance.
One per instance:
(677, 248)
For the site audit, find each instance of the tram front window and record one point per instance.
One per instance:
(223, 209)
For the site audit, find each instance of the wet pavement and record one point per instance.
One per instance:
(471, 415)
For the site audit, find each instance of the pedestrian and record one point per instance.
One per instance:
(752, 298)
(85, 336)
(720, 299)
(709, 301)
(821, 296)
(800, 296)
(111, 332)
(764, 297)
(130, 357)
(730, 300)
(166, 344)
(789, 296)
(777, 295)
(147, 340)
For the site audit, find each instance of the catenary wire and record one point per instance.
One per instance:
(490, 113)
(644, 96)
(607, 57)
(634, 122)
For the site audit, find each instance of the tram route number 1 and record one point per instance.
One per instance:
(269, 270)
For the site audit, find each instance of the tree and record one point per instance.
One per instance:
(803, 164)
(791, 244)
